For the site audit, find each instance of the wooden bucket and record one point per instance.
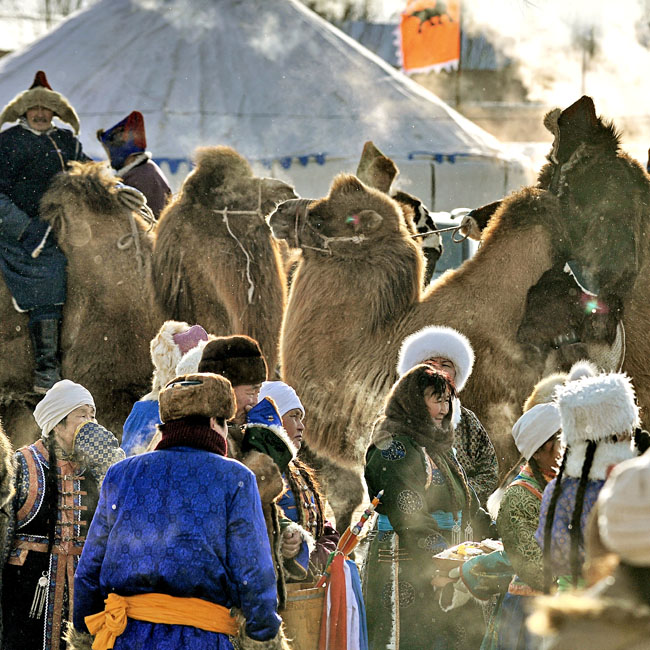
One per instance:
(302, 615)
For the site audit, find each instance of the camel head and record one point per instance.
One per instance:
(83, 204)
(345, 223)
(224, 179)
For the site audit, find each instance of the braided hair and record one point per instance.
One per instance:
(548, 524)
(309, 477)
(575, 530)
(51, 492)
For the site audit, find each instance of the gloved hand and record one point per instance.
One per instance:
(97, 448)
(34, 234)
(133, 199)
(264, 433)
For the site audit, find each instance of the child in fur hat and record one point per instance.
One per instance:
(599, 415)
(172, 341)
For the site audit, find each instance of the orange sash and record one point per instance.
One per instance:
(106, 626)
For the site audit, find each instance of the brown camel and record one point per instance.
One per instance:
(605, 196)
(349, 311)
(215, 261)
(108, 319)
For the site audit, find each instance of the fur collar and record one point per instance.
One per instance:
(138, 160)
(607, 455)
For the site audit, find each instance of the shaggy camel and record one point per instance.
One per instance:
(215, 262)
(378, 171)
(349, 311)
(605, 195)
(108, 320)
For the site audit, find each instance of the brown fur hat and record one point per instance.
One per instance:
(202, 394)
(238, 358)
(40, 93)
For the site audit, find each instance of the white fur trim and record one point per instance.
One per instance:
(456, 413)
(190, 361)
(583, 368)
(305, 535)
(494, 502)
(596, 408)
(140, 158)
(607, 455)
(435, 341)
(165, 354)
(279, 432)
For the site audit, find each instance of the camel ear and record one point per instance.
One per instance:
(365, 221)
(375, 169)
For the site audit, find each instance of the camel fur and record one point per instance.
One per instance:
(223, 271)
(353, 308)
(108, 317)
(378, 171)
(349, 311)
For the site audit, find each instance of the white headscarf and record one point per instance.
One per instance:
(535, 427)
(63, 398)
(283, 395)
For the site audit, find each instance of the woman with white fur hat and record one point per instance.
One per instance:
(57, 487)
(614, 614)
(599, 416)
(450, 351)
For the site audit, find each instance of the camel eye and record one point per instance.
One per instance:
(318, 225)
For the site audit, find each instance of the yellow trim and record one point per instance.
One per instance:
(107, 625)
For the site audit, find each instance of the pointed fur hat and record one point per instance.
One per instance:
(436, 341)
(596, 408)
(40, 93)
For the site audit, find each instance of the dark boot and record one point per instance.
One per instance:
(45, 339)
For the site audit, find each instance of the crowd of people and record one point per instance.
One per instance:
(188, 531)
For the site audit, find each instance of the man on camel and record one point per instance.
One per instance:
(33, 266)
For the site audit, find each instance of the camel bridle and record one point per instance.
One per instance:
(302, 205)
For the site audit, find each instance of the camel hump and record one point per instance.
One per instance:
(375, 169)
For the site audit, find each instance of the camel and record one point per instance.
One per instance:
(349, 311)
(215, 261)
(378, 171)
(108, 318)
(605, 196)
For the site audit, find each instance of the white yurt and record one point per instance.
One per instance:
(270, 78)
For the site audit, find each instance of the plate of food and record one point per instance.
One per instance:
(457, 555)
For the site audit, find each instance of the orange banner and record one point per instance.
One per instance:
(430, 35)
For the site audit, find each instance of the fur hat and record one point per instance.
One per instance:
(123, 139)
(167, 348)
(437, 341)
(202, 394)
(40, 93)
(596, 408)
(238, 358)
(545, 388)
(624, 511)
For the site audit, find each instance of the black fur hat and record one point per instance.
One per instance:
(238, 358)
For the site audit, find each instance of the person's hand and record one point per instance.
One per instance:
(133, 199)
(442, 578)
(291, 541)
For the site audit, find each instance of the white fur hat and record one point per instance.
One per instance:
(436, 341)
(166, 352)
(624, 511)
(596, 408)
(189, 363)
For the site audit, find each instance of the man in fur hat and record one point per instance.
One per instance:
(33, 266)
(257, 438)
(448, 350)
(126, 143)
(178, 539)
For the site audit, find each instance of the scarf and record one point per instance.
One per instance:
(180, 433)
